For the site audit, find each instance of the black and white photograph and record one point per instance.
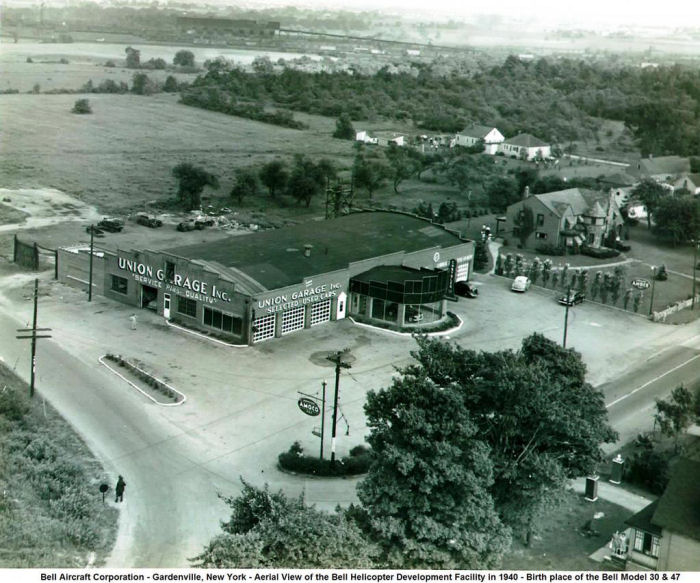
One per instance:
(349, 291)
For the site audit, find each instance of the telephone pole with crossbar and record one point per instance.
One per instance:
(33, 337)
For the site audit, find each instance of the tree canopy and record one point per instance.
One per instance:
(650, 193)
(245, 184)
(677, 219)
(191, 183)
(274, 176)
(270, 530)
(541, 421)
(344, 129)
(184, 58)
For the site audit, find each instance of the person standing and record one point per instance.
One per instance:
(121, 484)
(133, 321)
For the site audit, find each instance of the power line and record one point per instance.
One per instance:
(33, 337)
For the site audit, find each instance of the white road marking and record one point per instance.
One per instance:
(675, 368)
(596, 324)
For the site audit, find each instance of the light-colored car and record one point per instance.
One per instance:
(521, 284)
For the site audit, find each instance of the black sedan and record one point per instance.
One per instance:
(572, 298)
(462, 288)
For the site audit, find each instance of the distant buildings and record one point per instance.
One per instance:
(474, 134)
(526, 147)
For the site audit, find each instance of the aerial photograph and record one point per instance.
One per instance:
(372, 286)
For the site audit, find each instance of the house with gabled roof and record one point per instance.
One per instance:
(665, 535)
(475, 133)
(525, 147)
(661, 169)
(566, 218)
(689, 182)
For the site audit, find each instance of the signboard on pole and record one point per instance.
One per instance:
(640, 283)
(309, 407)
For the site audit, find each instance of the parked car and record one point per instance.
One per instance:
(186, 226)
(572, 298)
(145, 220)
(464, 289)
(521, 284)
(110, 224)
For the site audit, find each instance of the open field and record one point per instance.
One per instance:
(122, 155)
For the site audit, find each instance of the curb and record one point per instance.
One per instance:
(139, 389)
(409, 334)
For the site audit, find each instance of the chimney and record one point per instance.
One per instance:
(526, 192)
(307, 250)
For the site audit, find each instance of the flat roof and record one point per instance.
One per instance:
(276, 259)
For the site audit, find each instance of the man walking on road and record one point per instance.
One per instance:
(133, 321)
(121, 484)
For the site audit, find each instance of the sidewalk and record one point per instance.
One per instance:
(615, 494)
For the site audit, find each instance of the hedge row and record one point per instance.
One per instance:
(295, 460)
(145, 377)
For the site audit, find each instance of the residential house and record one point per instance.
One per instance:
(689, 182)
(473, 134)
(525, 147)
(565, 218)
(364, 137)
(386, 138)
(622, 185)
(661, 169)
(665, 535)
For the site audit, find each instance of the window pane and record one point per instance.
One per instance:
(216, 319)
(226, 323)
(207, 317)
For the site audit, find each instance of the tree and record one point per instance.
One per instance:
(142, 84)
(502, 191)
(426, 493)
(133, 58)
(403, 163)
(170, 85)
(270, 530)
(246, 184)
(191, 183)
(650, 193)
(676, 414)
(343, 128)
(525, 224)
(274, 176)
(305, 180)
(369, 173)
(184, 58)
(543, 422)
(677, 219)
(481, 257)
(82, 106)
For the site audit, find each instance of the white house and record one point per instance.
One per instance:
(525, 147)
(474, 133)
(689, 182)
(364, 137)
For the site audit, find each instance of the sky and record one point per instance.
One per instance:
(675, 13)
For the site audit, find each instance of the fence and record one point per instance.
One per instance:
(34, 256)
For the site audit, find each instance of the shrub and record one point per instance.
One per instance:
(551, 249)
(63, 61)
(82, 106)
(294, 460)
(13, 404)
(648, 468)
(109, 64)
(30, 60)
(599, 253)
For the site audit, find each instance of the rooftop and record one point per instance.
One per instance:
(679, 507)
(526, 140)
(662, 165)
(476, 131)
(642, 520)
(276, 258)
(581, 201)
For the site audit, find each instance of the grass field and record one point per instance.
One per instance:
(122, 154)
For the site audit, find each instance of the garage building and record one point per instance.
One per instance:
(376, 266)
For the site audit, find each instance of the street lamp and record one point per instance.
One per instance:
(653, 281)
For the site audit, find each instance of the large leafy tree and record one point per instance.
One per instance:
(426, 493)
(675, 414)
(543, 422)
(650, 193)
(184, 58)
(307, 179)
(245, 185)
(677, 219)
(191, 182)
(270, 530)
(369, 173)
(274, 176)
(344, 129)
(403, 163)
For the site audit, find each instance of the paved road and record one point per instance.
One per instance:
(241, 411)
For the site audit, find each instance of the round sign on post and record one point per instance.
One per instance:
(309, 407)
(640, 283)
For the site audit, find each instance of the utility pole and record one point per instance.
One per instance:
(566, 314)
(33, 337)
(92, 244)
(653, 282)
(336, 359)
(323, 416)
(695, 264)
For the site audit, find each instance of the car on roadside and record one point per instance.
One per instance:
(464, 289)
(521, 284)
(147, 221)
(572, 298)
(186, 226)
(111, 225)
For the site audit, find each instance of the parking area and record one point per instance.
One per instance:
(242, 402)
